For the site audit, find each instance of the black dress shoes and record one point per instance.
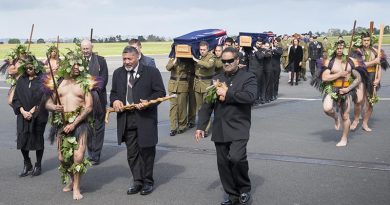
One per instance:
(229, 202)
(244, 198)
(190, 125)
(180, 131)
(134, 189)
(172, 133)
(36, 171)
(206, 134)
(146, 189)
(27, 168)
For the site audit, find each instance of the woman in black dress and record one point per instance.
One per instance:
(295, 57)
(31, 114)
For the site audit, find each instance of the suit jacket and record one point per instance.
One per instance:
(232, 118)
(148, 61)
(103, 73)
(275, 59)
(295, 56)
(147, 86)
(315, 50)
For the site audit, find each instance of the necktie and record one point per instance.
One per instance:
(130, 87)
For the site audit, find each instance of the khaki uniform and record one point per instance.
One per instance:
(305, 47)
(191, 95)
(204, 71)
(218, 65)
(178, 84)
(284, 44)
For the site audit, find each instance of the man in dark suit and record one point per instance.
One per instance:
(232, 120)
(97, 66)
(148, 61)
(137, 83)
(315, 53)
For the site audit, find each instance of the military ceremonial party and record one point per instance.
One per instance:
(226, 105)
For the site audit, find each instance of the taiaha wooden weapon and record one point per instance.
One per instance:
(29, 42)
(349, 51)
(55, 88)
(58, 49)
(378, 66)
(90, 38)
(134, 106)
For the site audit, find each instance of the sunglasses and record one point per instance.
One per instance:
(230, 61)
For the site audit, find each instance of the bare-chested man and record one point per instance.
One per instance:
(338, 84)
(365, 91)
(77, 103)
(54, 59)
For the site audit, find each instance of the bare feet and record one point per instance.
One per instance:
(77, 195)
(366, 128)
(68, 187)
(342, 143)
(337, 124)
(354, 124)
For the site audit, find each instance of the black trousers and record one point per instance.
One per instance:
(140, 159)
(95, 142)
(233, 167)
(312, 65)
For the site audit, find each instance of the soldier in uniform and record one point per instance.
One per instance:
(218, 62)
(191, 97)
(284, 44)
(204, 71)
(178, 84)
(304, 46)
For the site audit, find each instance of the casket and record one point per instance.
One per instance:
(249, 39)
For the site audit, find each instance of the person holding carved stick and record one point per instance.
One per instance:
(135, 83)
(236, 91)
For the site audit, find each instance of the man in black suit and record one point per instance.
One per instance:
(146, 60)
(315, 53)
(137, 83)
(232, 120)
(97, 66)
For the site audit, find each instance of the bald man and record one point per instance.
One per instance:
(97, 67)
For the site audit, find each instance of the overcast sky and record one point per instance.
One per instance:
(171, 18)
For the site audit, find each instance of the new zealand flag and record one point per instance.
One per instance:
(213, 37)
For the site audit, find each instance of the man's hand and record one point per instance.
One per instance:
(69, 128)
(343, 73)
(221, 92)
(343, 91)
(195, 59)
(199, 134)
(32, 110)
(118, 106)
(377, 61)
(376, 83)
(300, 63)
(141, 105)
(58, 108)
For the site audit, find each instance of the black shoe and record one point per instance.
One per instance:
(206, 134)
(296, 83)
(244, 198)
(36, 171)
(146, 189)
(262, 101)
(134, 189)
(229, 201)
(180, 131)
(27, 168)
(172, 133)
(304, 78)
(190, 125)
(95, 162)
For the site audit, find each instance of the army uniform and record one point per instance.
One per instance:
(204, 71)
(284, 45)
(305, 57)
(191, 97)
(218, 66)
(178, 84)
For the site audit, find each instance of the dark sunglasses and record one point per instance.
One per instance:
(230, 61)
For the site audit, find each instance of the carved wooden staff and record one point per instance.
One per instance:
(29, 42)
(378, 67)
(133, 106)
(58, 49)
(55, 88)
(349, 50)
(90, 38)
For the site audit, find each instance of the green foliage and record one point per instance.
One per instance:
(13, 41)
(373, 99)
(211, 96)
